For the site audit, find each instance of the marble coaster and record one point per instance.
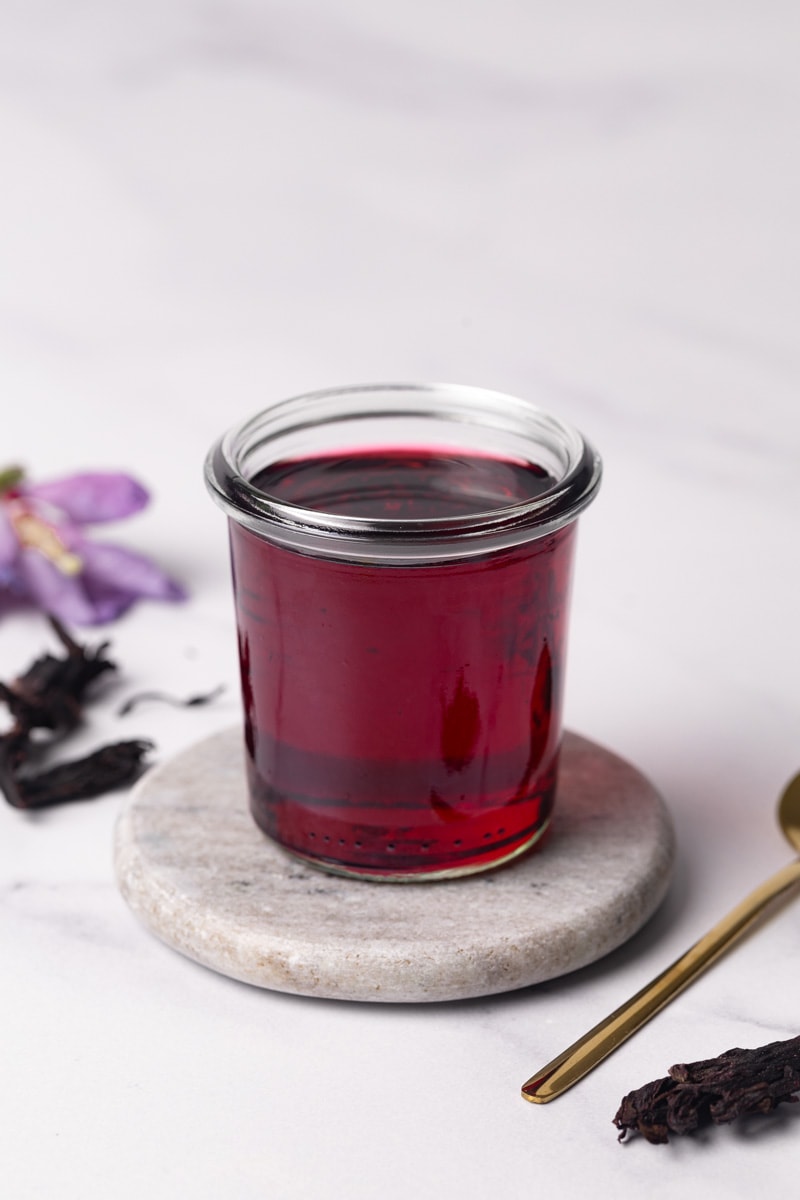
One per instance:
(200, 875)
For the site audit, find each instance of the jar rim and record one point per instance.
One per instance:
(229, 470)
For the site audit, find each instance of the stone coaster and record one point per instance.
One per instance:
(197, 871)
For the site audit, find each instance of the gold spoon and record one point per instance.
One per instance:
(585, 1054)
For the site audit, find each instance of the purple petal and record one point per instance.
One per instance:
(92, 497)
(54, 592)
(123, 570)
(11, 602)
(107, 601)
(9, 546)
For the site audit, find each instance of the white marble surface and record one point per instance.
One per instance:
(207, 204)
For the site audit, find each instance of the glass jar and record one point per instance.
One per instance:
(402, 558)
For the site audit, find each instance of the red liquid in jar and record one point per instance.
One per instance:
(402, 719)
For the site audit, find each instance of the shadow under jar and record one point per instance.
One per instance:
(401, 562)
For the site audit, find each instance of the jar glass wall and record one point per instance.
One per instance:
(401, 561)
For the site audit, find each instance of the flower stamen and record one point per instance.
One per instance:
(38, 535)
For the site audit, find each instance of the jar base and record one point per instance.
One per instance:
(421, 874)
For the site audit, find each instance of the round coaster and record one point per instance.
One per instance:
(197, 871)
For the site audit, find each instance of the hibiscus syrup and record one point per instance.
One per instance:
(402, 719)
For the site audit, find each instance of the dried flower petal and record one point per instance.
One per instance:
(716, 1090)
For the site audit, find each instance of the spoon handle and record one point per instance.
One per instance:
(590, 1050)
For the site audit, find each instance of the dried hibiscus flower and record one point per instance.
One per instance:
(714, 1091)
(46, 704)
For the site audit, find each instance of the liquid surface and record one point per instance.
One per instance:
(403, 484)
(402, 720)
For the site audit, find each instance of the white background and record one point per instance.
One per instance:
(206, 206)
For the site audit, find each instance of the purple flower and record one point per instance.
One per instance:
(46, 559)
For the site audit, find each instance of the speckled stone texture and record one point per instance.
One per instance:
(200, 875)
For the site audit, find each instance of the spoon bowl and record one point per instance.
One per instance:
(789, 812)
